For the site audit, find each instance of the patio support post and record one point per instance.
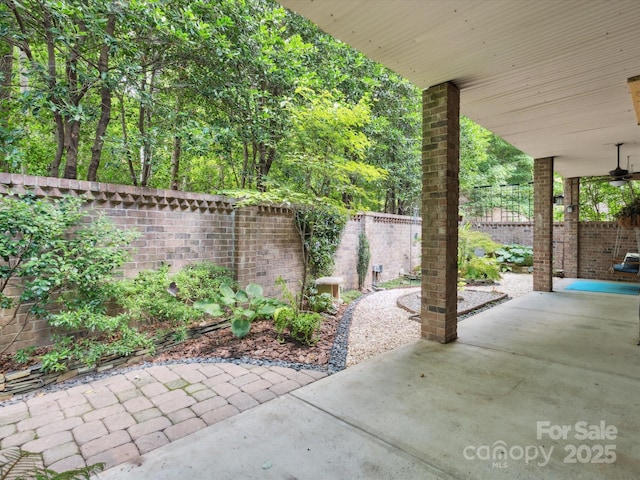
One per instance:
(440, 184)
(543, 224)
(571, 246)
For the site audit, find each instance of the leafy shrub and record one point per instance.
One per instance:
(515, 254)
(66, 269)
(201, 280)
(470, 266)
(316, 302)
(145, 299)
(480, 268)
(282, 318)
(471, 240)
(321, 302)
(302, 326)
(245, 306)
(320, 228)
(121, 341)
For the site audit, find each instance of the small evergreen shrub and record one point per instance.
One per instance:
(201, 280)
(364, 256)
(145, 299)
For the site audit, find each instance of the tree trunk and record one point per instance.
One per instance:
(245, 164)
(267, 156)
(144, 121)
(71, 167)
(177, 146)
(78, 89)
(54, 166)
(105, 104)
(125, 140)
(6, 72)
(175, 162)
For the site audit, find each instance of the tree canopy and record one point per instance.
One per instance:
(215, 96)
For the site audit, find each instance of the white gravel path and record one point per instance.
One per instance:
(378, 325)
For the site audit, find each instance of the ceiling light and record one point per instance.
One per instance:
(618, 182)
(618, 175)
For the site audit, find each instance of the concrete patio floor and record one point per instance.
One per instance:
(544, 386)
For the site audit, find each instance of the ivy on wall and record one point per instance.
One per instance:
(320, 228)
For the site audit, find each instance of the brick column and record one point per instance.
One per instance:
(440, 182)
(246, 245)
(543, 225)
(571, 226)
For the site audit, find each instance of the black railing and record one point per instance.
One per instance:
(500, 203)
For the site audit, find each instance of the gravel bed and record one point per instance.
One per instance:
(379, 325)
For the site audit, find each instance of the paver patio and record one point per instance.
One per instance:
(120, 417)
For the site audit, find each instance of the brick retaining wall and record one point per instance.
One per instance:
(258, 244)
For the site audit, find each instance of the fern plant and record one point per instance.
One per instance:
(18, 464)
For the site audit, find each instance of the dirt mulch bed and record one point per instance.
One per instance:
(260, 344)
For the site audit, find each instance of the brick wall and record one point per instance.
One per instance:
(522, 234)
(595, 252)
(177, 228)
(258, 244)
(394, 241)
(267, 247)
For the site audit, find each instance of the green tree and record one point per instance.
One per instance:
(326, 150)
(67, 47)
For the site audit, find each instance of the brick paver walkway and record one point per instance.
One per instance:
(117, 418)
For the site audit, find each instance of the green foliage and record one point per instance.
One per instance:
(320, 303)
(486, 159)
(364, 256)
(201, 280)
(223, 95)
(302, 326)
(65, 268)
(480, 268)
(320, 228)
(145, 298)
(21, 464)
(282, 318)
(514, 254)
(24, 355)
(327, 148)
(400, 282)
(119, 340)
(471, 266)
(469, 240)
(630, 209)
(245, 306)
(349, 296)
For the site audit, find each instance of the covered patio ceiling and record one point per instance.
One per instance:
(548, 76)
